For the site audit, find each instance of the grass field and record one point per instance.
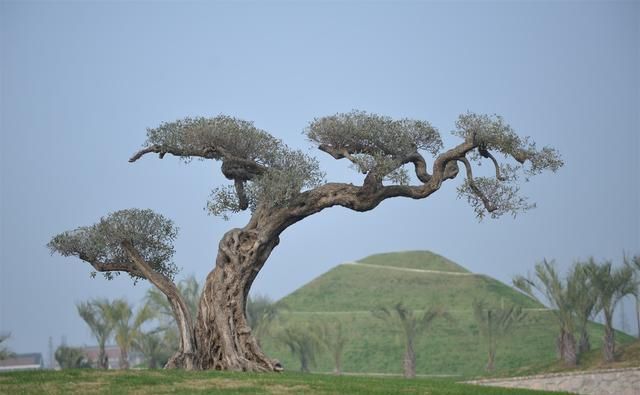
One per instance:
(90, 381)
(348, 292)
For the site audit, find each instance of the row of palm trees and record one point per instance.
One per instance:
(590, 288)
(117, 320)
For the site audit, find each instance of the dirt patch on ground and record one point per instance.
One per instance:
(283, 389)
(196, 385)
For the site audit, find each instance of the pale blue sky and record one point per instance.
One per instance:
(81, 81)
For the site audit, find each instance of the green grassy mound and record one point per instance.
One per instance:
(90, 381)
(423, 260)
(348, 293)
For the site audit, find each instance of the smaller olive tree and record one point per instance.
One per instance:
(140, 243)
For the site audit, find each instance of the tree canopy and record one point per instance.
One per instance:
(265, 172)
(101, 244)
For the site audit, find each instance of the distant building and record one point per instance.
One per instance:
(31, 361)
(113, 354)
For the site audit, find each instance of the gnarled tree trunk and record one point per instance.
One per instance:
(224, 338)
(184, 357)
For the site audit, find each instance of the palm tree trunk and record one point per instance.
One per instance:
(638, 313)
(609, 343)
(409, 360)
(567, 348)
(337, 358)
(124, 358)
(491, 360)
(585, 344)
(103, 361)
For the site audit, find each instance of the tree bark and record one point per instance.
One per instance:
(491, 357)
(224, 338)
(609, 344)
(584, 344)
(567, 348)
(409, 361)
(124, 358)
(337, 359)
(103, 361)
(184, 357)
(638, 314)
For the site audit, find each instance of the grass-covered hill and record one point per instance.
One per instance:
(418, 279)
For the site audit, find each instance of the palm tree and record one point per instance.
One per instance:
(412, 326)
(261, 312)
(334, 337)
(611, 285)
(302, 343)
(495, 323)
(635, 264)
(547, 282)
(151, 345)
(584, 299)
(127, 326)
(96, 314)
(4, 351)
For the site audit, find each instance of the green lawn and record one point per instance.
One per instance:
(91, 381)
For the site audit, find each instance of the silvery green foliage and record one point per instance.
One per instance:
(151, 234)
(223, 134)
(286, 171)
(374, 142)
(493, 134)
(503, 194)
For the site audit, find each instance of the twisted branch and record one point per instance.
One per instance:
(485, 201)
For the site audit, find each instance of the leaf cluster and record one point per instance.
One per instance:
(150, 233)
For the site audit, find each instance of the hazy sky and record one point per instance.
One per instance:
(81, 81)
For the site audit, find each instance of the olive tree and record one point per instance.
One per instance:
(281, 186)
(140, 243)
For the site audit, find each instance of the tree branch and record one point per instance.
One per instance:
(206, 152)
(178, 304)
(485, 201)
(420, 166)
(488, 154)
(338, 153)
(105, 267)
